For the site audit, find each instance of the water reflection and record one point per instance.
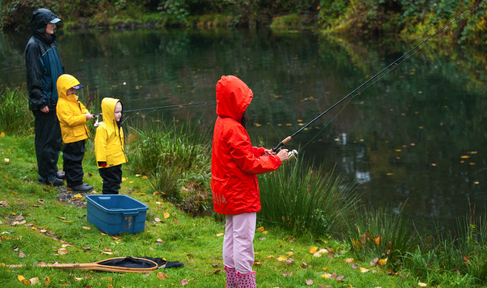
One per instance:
(419, 133)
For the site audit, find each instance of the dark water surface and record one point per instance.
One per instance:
(419, 133)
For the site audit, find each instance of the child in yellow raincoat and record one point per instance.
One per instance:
(73, 116)
(109, 145)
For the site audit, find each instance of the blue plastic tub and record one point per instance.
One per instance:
(116, 214)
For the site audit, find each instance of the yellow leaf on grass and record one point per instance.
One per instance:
(34, 280)
(349, 260)
(47, 281)
(313, 249)
(86, 228)
(383, 262)
(265, 232)
(144, 177)
(62, 251)
(166, 215)
(465, 157)
(422, 284)
(363, 270)
(23, 280)
(326, 276)
(124, 179)
(281, 258)
(220, 234)
(290, 253)
(260, 229)
(270, 256)
(377, 240)
(78, 196)
(2, 134)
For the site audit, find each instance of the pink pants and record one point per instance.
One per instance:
(238, 248)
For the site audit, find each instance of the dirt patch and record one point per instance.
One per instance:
(74, 198)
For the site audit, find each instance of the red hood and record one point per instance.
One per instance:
(232, 97)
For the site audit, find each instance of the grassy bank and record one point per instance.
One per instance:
(312, 227)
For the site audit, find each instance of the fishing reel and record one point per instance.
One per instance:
(97, 123)
(292, 154)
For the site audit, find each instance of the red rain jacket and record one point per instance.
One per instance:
(234, 162)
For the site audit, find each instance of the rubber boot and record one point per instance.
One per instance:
(231, 277)
(246, 280)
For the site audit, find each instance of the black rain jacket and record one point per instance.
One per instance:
(42, 62)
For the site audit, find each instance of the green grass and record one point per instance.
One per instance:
(14, 112)
(193, 241)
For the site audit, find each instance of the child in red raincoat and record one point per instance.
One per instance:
(234, 166)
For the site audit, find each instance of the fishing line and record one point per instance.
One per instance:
(393, 64)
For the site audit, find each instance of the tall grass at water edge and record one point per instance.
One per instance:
(15, 117)
(382, 233)
(305, 200)
(453, 254)
(176, 157)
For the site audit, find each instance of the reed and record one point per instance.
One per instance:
(383, 233)
(305, 200)
(15, 117)
(173, 155)
(458, 250)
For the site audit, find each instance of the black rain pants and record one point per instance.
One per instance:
(73, 154)
(48, 143)
(112, 177)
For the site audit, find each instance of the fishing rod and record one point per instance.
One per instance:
(417, 47)
(156, 108)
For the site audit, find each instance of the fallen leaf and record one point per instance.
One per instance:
(354, 266)
(144, 177)
(287, 273)
(377, 240)
(363, 270)
(422, 284)
(313, 250)
(220, 234)
(349, 260)
(281, 258)
(304, 265)
(215, 265)
(34, 281)
(47, 281)
(382, 262)
(157, 219)
(184, 282)
(217, 271)
(62, 251)
(289, 261)
(317, 254)
(309, 282)
(86, 228)
(162, 276)
(21, 254)
(340, 278)
(166, 215)
(23, 280)
(260, 229)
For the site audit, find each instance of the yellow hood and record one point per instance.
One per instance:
(64, 83)
(108, 110)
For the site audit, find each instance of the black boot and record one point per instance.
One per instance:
(81, 188)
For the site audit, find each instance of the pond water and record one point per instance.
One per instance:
(418, 134)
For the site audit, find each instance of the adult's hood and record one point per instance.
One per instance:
(39, 20)
(64, 83)
(232, 97)
(108, 110)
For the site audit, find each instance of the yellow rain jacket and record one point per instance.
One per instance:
(109, 137)
(70, 112)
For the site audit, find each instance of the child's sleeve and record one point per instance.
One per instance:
(242, 152)
(101, 145)
(69, 118)
(83, 108)
(258, 151)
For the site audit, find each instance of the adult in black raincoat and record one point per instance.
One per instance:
(43, 69)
